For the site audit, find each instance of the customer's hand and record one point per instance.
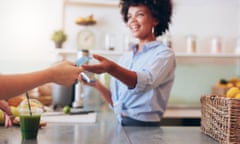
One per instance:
(103, 66)
(65, 73)
(7, 114)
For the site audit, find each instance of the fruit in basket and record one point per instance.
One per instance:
(89, 20)
(237, 96)
(80, 20)
(237, 84)
(234, 80)
(232, 92)
(229, 85)
(223, 81)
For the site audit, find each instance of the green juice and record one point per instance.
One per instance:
(29, 126)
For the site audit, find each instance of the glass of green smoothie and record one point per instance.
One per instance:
(30, 115)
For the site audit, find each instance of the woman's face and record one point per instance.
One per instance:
(140, 22)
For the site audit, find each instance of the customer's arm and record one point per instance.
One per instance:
(64, 73)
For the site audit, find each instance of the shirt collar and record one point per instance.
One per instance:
(146, 46)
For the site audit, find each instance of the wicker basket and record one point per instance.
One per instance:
(221, 118)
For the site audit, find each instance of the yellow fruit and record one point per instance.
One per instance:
(237, 84)
(234, 79)
(229, 85)
(221, 85)
(81, 19)
(232, 92)
(237, 96)
(14, 111)
(1, 117)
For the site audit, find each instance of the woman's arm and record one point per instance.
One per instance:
(64, 73)
(104, 91)
(126, 76)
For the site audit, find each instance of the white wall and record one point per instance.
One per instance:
(238, 12)
(25, 30)
(205, 19)
(108, 21)
(26, 27)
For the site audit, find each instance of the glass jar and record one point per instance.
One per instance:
(110, 42)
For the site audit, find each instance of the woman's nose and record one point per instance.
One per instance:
(132, 19)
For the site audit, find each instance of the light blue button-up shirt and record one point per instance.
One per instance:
(155, 67)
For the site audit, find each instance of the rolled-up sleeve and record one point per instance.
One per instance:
(155, 73)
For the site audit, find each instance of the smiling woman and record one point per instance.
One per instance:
(142, 80)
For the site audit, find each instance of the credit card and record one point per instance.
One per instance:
(82, 60)
(88, 77)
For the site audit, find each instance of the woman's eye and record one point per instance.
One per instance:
(140, 14)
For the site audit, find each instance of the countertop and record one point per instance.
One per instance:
(107, 131)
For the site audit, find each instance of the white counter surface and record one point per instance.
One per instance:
(183, 113)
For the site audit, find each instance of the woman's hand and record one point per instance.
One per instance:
(103, 66)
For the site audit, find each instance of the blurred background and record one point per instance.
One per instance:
(203, 33)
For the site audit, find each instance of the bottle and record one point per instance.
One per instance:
(78, 87)
(216, 46)
(110, 42)
(191, 43)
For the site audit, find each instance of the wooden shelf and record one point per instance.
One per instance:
(100, 3)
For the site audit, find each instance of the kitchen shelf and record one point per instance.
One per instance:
(100, 52)
(184, 55)
(65, 53)
(198, 55)
(208, 58)
(184, 58)
(101, 3)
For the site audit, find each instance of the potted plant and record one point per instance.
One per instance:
(59, 37)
